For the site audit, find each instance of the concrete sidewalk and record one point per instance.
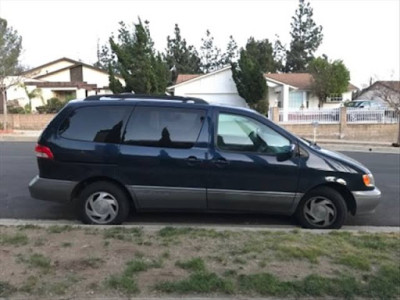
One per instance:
(20, 136)
(331, 144)
(358, 146)
(153, 227)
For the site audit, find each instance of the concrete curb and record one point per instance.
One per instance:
(361, 148)
(156, 227)
(16, 138)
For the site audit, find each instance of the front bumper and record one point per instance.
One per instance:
(51, 189)
(366, 201)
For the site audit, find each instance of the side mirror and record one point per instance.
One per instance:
(287, 154)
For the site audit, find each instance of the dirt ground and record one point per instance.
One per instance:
(67, 262)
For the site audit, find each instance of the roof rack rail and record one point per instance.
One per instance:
(126, 96)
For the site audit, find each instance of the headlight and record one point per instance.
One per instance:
(368, 180)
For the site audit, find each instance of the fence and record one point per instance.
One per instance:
(343, 123)
(333, 116)
(357, 115)
(306, 116)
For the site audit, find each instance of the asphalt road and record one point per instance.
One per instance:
(18, 167)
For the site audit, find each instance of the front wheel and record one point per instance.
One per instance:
(322, 208)
(103, 203)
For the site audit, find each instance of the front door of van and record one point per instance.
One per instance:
(245, 172)
(160, 160)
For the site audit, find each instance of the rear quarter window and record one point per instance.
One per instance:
(102, 124)
(164, 127)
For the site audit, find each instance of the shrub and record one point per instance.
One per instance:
(15, 110)
(54, 105)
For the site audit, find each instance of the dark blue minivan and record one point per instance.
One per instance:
(112, 154)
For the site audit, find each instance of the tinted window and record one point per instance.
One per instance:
(98, 124)
(242, 134)
(164, 127)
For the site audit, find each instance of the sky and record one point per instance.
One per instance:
(365, 34)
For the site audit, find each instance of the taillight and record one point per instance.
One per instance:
(43, 152)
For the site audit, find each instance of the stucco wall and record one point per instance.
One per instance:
(92, 76)
(50, 68)
(60, 76)
(217, 88)
(17, 92)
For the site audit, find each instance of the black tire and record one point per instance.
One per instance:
(322, 208)
(103, 203)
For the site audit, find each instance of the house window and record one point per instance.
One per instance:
(334, 98)
(295, 99)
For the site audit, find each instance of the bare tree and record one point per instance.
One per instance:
(10, 49)
(389, 91)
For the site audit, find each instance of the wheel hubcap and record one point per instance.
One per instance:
(320, 211)
(101, 207)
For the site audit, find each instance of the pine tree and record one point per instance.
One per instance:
(262, 53)
(210, 55)
(232, 53)
(250, 82)
(306, 38)
(279, 54)
(136, 61)
(180, 58)
(104, 58)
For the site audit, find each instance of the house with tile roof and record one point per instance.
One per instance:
(293, 91)
(63, 78)
(289, 91)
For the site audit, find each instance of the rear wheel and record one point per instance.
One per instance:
(103, 203)
(322, 208)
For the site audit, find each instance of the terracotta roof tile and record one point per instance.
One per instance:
(302, 81)
(185, 77)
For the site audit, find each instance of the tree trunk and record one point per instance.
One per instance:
(320, 102)
(398, 132)
(3, 94)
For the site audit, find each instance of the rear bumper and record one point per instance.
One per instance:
(367, 201)
(51, 189)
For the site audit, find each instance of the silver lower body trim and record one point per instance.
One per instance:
(255, 201)
(158, 197)
(181, 198)
(366, 201)
(51, 189)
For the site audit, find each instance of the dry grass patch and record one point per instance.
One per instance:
(77, 262)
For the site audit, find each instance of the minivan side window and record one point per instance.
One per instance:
(243, 134)
(164, 127)
(100, 124)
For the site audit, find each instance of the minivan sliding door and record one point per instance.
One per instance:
(160, 161)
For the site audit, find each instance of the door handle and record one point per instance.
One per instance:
(192, 160)
(221, 162)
